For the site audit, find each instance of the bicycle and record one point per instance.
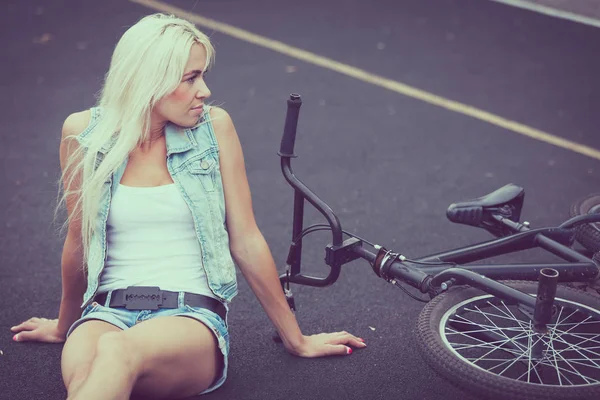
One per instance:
(489, 329)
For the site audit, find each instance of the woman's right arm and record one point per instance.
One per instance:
(74, 282)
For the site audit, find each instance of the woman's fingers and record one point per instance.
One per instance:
(329, 344)
(27, 325)
(25, 336)
(38, 329)
(347, 338)
(337, 350)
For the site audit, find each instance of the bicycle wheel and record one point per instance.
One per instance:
(482, 344)
(587, 234)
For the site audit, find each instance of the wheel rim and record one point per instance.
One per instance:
(497, 338)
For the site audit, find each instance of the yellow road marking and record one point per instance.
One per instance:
(376, 80)
(553, 12)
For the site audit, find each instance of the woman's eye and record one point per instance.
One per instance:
(192, 78)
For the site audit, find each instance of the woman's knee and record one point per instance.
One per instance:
(77, 378)
(119, 347)
(79, 350)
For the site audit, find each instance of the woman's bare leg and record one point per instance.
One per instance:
(79, 352)
(164, 357)
(113, 373)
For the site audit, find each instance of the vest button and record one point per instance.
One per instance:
(204, 164)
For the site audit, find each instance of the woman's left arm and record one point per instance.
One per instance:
(252, 255)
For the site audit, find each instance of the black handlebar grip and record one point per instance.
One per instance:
(291, 123)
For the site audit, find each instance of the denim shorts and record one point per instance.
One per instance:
(124, 318)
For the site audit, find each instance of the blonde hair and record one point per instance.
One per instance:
(147, 64)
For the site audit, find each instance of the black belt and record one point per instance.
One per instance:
(152, 298)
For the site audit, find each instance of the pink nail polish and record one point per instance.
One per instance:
(16, 338)
(349, 351)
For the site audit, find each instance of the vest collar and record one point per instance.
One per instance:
(177, 141)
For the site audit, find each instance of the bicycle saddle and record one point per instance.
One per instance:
(506, 201)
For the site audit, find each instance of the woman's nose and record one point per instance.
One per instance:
(203, 91)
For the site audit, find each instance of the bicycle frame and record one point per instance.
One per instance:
(434, 277)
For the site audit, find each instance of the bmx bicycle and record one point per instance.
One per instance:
(490, 329)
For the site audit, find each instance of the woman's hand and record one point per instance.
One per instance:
(38, 329)
(328, 344)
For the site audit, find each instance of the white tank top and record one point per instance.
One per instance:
(151, 241)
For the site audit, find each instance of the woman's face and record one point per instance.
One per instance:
(184, 105)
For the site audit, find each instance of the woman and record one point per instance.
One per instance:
(146, 210)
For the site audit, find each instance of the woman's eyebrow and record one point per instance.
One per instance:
(196, 71)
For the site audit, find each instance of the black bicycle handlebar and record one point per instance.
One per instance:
(291, 123)
(343, 251)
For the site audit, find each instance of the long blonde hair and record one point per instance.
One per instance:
(147, 64)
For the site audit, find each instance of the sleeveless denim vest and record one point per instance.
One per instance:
(193, 163)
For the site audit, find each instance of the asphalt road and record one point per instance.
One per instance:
(389, 165)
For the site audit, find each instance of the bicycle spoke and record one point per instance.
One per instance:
(538, 376)
(558, 316)
(510, 365)
(530, 353)
(485, 355)
(502, 363)
(492, 322)
(479, 359)
(483, 345)
(512, 315)
(583, 348)
(558, 322)
(493, 329)
(527, 352)
(578, 362)
(486, 342)
(494, 315)
(574, 369)
(515, 328)
(490, 329)
(577, 323)
(582, 334)
(571, 328)
(574, 345)
(529, 357)
(559, 369)
(581, 354)
(551, 346)
(570, 361)
(585, 359)
(491, 359)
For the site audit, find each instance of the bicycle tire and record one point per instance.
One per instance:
(593, 286)
(464, 374)
(588, 235)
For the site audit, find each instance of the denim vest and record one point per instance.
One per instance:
(193, 163)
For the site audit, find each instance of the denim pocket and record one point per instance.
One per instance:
(90, 308)
(203, 169)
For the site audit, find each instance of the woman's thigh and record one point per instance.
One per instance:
(180, 357)
(185, 349)
(79, 350)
